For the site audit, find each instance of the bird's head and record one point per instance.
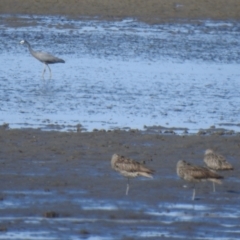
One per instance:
(181, 163)
(22, 42)
(209, 151)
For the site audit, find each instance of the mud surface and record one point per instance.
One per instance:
(61, 186)
(152, 11)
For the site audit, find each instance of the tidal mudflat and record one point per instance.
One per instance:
(151, 90)
(60, 185)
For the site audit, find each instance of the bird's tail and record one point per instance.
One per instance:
(59, 60)
(215, 180)
(227, 166)
(146, 174)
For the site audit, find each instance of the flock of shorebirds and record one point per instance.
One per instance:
(130, 168)
(214, 161)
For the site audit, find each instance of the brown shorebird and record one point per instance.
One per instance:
(129, 168)
(195, 174)
(215, 161)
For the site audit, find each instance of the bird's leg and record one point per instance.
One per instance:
(44, 69)
(127, 187)
(214, 187)
(49, 71)
(194, 192)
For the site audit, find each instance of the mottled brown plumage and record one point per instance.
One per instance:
(216, 161)
(195, 174)
(129, 168)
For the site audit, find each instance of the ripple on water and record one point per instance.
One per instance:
(38, 235)
(107, 82)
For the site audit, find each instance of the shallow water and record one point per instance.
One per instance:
(108, 219)
(122, 74)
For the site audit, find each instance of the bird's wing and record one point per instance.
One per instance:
(129, 165)
(212, 161)
(219, 157)
(46, 57)
(217, 162)
(198, 172)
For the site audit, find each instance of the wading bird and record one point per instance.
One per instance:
(129, 168)
(215, 161)
(195, 174)
(43, 57)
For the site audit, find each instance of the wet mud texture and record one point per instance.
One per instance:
(153, 11)
(58, 165)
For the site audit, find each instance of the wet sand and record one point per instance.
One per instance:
(57, 165)
(152, 11)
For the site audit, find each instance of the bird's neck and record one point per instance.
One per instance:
(30, 48)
